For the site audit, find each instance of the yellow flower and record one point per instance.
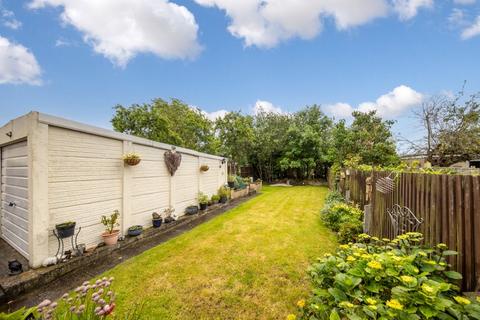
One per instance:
(372, 307)
(350, 258)
(291, 317)
(344, 246)
(442, 246)
(394, 304)
(371, 301)
(407, 279)
(427, 289)
(431, 262)
(375, 239)
(301, 303)
(423, 254)
(346, 304)
(478, 299)
(374, 264)
(462, 300)
(386, 240)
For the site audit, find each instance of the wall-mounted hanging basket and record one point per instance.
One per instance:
(204, 168)
(131, 159)
(172, 161)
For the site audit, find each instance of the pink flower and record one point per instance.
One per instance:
(44, 303)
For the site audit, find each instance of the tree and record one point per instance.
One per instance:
(269, 143)
(371, 139)
(235, 133)
(173, 123)
(307, 144)
(452, 129)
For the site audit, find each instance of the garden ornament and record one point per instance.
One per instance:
(386, 185)
(172, 160)
(403, 220)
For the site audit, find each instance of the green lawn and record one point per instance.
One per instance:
(249, 263)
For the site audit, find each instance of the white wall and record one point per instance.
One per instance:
(150, 182)
(85, 175)
(87, 179)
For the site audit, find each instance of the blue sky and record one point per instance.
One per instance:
(77, 59)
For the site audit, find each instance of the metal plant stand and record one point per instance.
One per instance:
(61, 245)
(403, 220)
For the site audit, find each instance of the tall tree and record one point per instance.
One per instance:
(170, 122)
(235, 133)
(452, 129)
(308, 139)
(270, 140)
(371, 139)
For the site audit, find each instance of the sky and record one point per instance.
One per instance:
(79, 58)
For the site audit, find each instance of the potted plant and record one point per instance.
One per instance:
(231, 181)
(191, 210)
(110, 236)
(204, 168)
(168, 215)
(215, 198)
(156, 220)
(132, 159)
(134, 231)
(66, 229)
(223, 194)
(203, 200)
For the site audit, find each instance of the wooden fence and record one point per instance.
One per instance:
(448, 204)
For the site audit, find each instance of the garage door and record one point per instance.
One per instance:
(14, 217)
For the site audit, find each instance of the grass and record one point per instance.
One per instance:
(249, 263)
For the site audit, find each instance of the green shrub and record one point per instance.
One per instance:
(383, 279)
(334, 196)
(337, 213)
(349, 230)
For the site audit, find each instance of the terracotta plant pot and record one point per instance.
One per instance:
(110, 239)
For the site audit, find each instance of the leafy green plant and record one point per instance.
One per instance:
(135, 228)
(231, 178)
(349, 230)
(334, 196)
(202, 198)
(111, 222)
(223, 192)
(21, 314)
(131, 156)
(387, 279)
(65, 225)
(215, 198)
(337, 213)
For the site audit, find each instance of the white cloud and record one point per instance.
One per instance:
(266, 107)
(464, 2)
(216, 114)
(389, 105)
(121, 29)
(265, 23)
(7, 18)
(457, 17)
(408, 9)
(17, 64)
(472, 31)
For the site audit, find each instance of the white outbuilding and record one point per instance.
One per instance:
(55, 170)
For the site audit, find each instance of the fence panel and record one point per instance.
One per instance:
(448, 204)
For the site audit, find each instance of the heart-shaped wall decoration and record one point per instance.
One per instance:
(172, 160)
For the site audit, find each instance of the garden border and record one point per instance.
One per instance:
(22, 290)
